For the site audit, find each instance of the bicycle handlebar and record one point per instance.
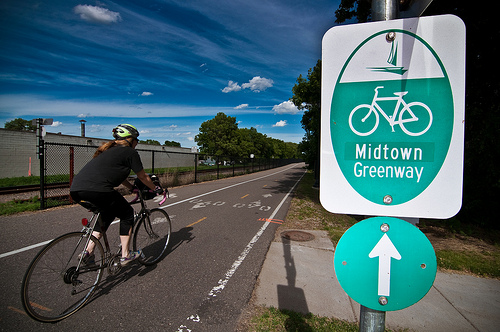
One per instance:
(166, 194)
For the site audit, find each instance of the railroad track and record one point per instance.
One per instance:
(30, 188)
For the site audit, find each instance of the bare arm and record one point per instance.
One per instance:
(145, 179)
(128, 185)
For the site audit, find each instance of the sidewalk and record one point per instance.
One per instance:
(299, 276)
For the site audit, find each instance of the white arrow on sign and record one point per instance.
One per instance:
(384, 250)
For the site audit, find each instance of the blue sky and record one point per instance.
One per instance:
(163, 66)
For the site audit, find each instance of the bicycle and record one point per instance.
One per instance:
(59, 280)
(406, 115)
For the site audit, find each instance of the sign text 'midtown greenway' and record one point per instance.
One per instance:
(411, 153)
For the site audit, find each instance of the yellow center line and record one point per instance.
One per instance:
(245, 195)
(196, 222)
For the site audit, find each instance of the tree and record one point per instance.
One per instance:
(307, 95)
(172, 143)
(150, 142)
(349, 9)
(218, 136)
(20, 124)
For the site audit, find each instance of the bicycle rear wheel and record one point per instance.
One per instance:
(57, 282)
(152, 235)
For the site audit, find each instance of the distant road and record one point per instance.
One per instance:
(221, 233)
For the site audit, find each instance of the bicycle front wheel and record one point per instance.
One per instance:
(415, 118)
(57, 282)
(152, 235)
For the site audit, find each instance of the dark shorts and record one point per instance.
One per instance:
(112, 205)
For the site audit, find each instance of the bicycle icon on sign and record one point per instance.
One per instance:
(408, 114)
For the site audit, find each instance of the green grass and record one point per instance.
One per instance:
(273, 319)
(307, 212)
(486, 264)
(19, 181)
(16, 206)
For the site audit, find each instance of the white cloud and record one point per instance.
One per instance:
(258, 84)
(145, 94)
(172, 127)
(281, 123)
(241, 107)
(286, 107)
(84, 115)
(96, 128)
(97, 14)
(231, 86)
(56, 124)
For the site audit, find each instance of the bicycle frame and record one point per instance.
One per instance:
(89, 230)
(390, 118)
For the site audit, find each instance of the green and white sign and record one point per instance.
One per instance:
(393, 117)
(385, 263)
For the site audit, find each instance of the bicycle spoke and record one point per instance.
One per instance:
(152, 236)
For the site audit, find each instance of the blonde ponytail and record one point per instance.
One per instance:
(107, 145)
(104, 146)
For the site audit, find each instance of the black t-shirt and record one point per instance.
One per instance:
(108, 170)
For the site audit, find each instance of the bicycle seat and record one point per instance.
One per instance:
(89, 206)
(400, 94)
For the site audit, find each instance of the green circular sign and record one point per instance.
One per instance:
(385, 263)
(392, 117)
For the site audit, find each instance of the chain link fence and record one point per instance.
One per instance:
(63, 161)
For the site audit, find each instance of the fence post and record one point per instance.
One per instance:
(41, 156)
(42, 173)
(195, 168)
(71, 168)
(217, 161)
(152, 161)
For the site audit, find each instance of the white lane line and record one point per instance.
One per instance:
(216, 290)
(24, 249)
(17, 251)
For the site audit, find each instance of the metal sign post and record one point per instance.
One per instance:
(374, 320)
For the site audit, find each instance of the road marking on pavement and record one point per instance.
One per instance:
(244, 196)
(276, 221)
(216, 290)
(190, 225)
(24, 249)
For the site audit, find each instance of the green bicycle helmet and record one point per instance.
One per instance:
(124, 131)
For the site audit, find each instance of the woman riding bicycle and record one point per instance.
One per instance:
(109, 168)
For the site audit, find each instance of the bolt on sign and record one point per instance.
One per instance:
(392, 117)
